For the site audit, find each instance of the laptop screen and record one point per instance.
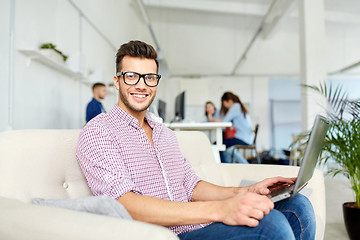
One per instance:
(312, 151)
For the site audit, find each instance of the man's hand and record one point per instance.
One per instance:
(264, 187)
(245, 209)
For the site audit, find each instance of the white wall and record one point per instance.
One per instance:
(4, 63)
(44, 97)
(342, 46)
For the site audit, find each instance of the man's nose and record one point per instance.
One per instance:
(141, 83)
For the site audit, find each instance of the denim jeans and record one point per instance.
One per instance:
(290, 219)
(227, 155)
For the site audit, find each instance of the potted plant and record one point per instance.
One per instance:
(342, 145)
(50, 50)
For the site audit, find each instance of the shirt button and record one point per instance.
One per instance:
(65, 185)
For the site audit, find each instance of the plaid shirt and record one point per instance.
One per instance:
(116, 157)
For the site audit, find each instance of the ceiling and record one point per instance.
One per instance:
(233, 37)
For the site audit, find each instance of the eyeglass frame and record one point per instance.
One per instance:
(118, 74)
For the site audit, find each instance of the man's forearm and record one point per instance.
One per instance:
(167, 213)
(205, 191)
(210, 203)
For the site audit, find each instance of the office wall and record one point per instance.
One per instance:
(342, 46)
(47, 98)
(4, 63)
(284, 111)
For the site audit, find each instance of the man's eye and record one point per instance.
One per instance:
(130, 75)
(150, 77)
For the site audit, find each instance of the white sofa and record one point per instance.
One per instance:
(42, 163)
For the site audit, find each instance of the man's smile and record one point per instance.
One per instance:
(139, 95)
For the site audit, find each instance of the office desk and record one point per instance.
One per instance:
(205, 126)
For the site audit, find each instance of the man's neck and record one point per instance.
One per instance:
(97, 98)
(140, 116)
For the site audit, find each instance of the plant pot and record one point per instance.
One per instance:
(352, 220)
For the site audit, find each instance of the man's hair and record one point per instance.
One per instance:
(135, 49)
(96, 85)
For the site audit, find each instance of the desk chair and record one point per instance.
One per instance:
(252, 146)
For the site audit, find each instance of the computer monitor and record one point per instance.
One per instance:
(180, 107)
(162, 109)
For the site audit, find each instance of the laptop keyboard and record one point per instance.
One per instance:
(280, 188)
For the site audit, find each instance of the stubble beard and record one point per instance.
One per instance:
(126, 102)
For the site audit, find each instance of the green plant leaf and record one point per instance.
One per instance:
(342, 142)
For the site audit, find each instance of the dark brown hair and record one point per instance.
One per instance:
(135, 49)
(96, 85)
(230, 96)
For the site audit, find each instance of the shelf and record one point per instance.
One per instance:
(36, 55)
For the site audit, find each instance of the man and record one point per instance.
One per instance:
(131, 156)
(95, 107)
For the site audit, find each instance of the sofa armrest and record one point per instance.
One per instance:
(19, 220)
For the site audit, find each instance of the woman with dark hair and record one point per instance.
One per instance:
(234, 111)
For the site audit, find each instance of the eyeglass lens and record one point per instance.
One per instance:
(132, 78)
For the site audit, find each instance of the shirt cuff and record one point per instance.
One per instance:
(117, 191)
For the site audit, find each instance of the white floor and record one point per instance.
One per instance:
(338, 191)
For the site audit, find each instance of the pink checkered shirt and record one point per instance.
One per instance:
(116, 157)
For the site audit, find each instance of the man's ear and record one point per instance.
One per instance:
(116, 83)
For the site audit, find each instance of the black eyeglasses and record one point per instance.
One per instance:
(132, 78)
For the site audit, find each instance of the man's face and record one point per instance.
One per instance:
(100, 92)
(137, 98)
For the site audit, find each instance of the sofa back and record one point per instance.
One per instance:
(42, 163)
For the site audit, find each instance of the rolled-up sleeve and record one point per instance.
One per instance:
(100, 160)
(190, 180)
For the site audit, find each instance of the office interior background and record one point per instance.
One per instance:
(262, 50)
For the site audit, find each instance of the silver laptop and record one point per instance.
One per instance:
(308, 163)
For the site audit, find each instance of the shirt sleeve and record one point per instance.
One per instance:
(102, 164)
(232, 113)
(190, 180)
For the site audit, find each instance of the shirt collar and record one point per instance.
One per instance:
(124, 116)
(96, 100)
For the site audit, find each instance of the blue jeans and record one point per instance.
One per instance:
(291, 219)
(226, 156)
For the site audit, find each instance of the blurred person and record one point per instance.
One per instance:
(95, 107)
(234, 111)
(214, 113)
(211, 110)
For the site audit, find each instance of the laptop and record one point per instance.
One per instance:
(308, 163)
